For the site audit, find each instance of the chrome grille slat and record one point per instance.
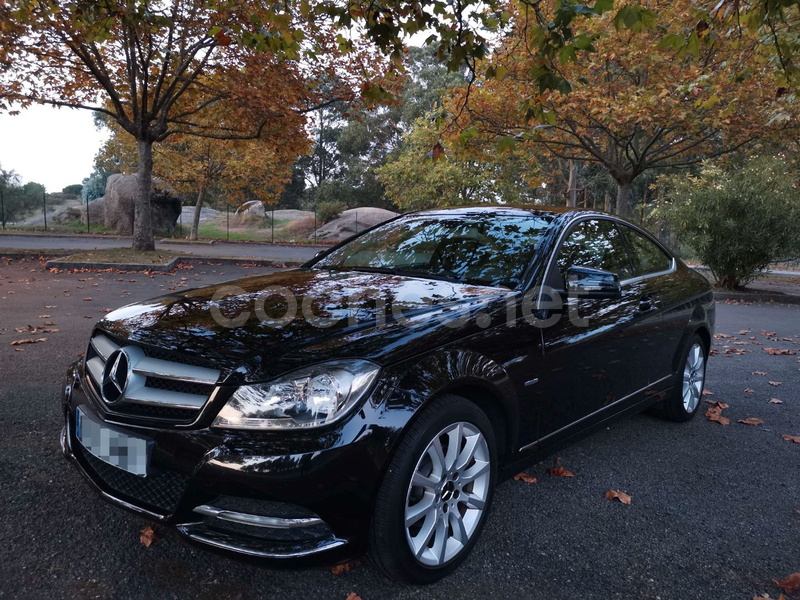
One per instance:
(103, 346)
(150, 380)
(164, 369)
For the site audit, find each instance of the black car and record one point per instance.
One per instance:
(373, 398)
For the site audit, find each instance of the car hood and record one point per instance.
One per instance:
(246, 328)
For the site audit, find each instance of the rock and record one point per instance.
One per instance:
(353, 221)
(97, 211)
(289, 214)
(253, 208)
(66, 215)
(120, 199)
(206, 215)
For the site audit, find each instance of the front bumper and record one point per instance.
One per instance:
(298, 496)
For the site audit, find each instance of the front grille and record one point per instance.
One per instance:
(160, 385)
(160, 491)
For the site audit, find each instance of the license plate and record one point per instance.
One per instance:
(126, 452)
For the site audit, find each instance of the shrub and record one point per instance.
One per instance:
(738, 221)
(74, 190)
(328, 211)
(300, 228)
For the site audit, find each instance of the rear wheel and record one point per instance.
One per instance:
(435, 496)
(684, 400)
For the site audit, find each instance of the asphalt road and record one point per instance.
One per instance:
(714, 512)
(267, 251)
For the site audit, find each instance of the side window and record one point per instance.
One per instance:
(646, 256)
(596, 244)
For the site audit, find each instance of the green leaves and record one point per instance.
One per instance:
(635, 17)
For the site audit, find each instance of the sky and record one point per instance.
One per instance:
(51, 146)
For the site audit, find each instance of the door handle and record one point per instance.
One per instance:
(645, 303)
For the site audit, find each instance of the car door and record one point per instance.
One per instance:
(591, 352)
(663, 319)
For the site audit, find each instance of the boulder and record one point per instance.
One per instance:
(253, 208)
(66, 215)
(289, 214)
(206, 215)
(120, 199)
(353, 221)
(97, 211)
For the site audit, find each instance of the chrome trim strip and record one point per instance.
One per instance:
(255, 520)
(146, 395)
(165, 369)
(185, 530)
(95, 366)
(598, 411)
(103, 346)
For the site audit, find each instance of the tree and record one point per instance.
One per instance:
(427, 174)
(159, 68)
(75, 189)
(669, 93)
(739, 220)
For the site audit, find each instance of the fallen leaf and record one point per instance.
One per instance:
(743, 332)
(723, 336)
(707, 393)
(789, 585)
(748, 390)
(777, 351)
(791, 438)
(774, 383)
(524, 477)
(714, 414)
(44, 316)
(28, 341)
(775, 401)
(741, 343)
(354, 596)
(768, 333)
(87, 299)
(48, 323)
(148, 535)
(721, 405)
(768, 597)
(751, 421)
(24, 329)
(759, 373)
(560, 472)
(621, 496)
(51, 306)
(344, 567)
(50, 330)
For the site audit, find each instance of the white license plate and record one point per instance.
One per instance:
(126, 452)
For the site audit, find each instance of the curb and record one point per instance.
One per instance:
(179, 241)
(765, 298)
(171, 265)
(65, 264)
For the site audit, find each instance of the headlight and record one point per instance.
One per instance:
(308, 397)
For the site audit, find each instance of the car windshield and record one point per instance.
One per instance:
(484, 249)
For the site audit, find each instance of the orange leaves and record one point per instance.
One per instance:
(560, 472)
(148, 535)
(759, 373)
(790, 584)
(774, 383)
(353, 596)
(525, 477)
(714, 413)
(775, 401)
(778, 351)
(345, 567)
(437, 151)
(751, 421)
(612, 495)
(791, 438)
(28, 341)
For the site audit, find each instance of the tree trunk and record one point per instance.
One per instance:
(607, 203)
(573, 192)
(623, 198)
(197, 208)
(142, 220)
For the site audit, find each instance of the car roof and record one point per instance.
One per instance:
(519, 210)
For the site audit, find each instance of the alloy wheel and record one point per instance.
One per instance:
(693, 376)
(447, 494)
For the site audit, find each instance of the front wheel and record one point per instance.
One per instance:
(436, 493)
(684, 400)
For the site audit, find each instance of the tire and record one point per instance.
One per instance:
(440, 517)
(683, 402)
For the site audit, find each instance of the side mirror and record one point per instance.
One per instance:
(320, 253)
(584, 282)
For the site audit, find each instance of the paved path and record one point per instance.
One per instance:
(268, 251)
(713, 513)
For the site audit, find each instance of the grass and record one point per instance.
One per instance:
(124, 256)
